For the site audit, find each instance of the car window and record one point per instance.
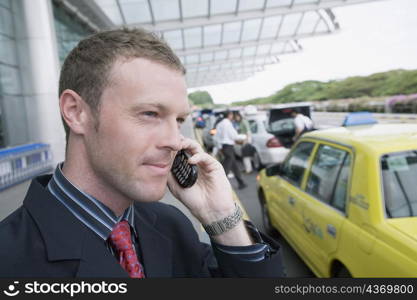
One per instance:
(399, 173)
(253, 126)
(325, 171)
(340, 193)
(282, 125)
(296, 163)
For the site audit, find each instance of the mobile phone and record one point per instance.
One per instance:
(185, 173)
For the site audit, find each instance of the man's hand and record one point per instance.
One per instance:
(210, 198)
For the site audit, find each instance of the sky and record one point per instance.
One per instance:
(373, 37)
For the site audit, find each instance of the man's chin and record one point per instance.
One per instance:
(152, 192)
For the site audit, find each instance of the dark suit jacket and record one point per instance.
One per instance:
(43, 239)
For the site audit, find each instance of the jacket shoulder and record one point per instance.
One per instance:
(163, 213)
(21, 242)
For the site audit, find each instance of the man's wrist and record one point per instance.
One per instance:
(207, 216)
(225, 224)
(237, 236)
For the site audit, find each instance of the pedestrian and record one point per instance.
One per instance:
(302, 124)
(247, 148)
(227, 136)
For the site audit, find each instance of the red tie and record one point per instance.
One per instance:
(120, 239)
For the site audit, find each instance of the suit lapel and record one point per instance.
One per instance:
(96, 260)
(155, 247)
(66, 238)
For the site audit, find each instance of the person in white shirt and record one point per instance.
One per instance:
(227, 135)
(302, 124)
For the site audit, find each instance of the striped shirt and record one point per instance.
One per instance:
(101, 220)
(88, 210)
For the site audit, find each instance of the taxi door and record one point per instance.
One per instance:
(289, 192)
(324, 211)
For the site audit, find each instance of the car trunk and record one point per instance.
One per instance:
(281, 124)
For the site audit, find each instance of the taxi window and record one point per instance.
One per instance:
(399, 173)
(329, 175)
(294, 167)
(340, 193)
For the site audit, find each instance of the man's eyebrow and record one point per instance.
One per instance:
(146, 104)
(158, 106)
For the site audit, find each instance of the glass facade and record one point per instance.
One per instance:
(11, 96)
(13, 110)
(68, 31)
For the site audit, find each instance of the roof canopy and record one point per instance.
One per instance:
(221, 40)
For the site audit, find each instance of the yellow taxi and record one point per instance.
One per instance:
(346, 200)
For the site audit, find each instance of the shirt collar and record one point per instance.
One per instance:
(90, 211)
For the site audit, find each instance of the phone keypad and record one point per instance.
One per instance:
(184, 173)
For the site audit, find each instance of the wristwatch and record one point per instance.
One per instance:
(225, 224)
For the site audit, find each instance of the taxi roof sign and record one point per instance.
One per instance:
(359, 118)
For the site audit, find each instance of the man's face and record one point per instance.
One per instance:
(132, 149)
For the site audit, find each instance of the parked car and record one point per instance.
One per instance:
(208, 132)
(268, 149)
(346, 200)
(200, 116)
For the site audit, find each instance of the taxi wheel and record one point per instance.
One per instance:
(342, 272)
(266, 221)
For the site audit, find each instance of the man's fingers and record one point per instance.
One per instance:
(197, 158)
(191, 146)
(203, 159)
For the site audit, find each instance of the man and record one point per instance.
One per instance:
(243, 127)
(227, 135)
(302, 124)
(123, 98)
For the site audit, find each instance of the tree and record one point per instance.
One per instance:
(376, 85)
(202, 99)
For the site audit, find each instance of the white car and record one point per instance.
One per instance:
(269, 149)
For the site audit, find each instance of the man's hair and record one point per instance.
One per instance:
(86, 70)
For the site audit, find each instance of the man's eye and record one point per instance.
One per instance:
(180, 120)
(150, 114)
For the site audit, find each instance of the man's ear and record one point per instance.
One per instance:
(75, 111)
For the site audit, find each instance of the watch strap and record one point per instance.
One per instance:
(224, 224)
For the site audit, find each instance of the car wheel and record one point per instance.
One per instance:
(342, 272)
(266, 221)
(256, 161)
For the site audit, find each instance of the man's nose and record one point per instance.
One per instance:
(171, 137)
